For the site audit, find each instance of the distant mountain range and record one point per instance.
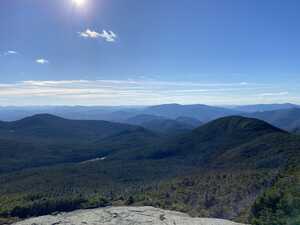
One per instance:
(164, 125)
(165, 119)
(288, 119)
(264, 107)
(199, 112)
(118, 114)
(109, 113)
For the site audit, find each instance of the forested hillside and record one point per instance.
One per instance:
(233, 168)
(44, 139)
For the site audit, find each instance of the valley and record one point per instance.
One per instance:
(225, 169)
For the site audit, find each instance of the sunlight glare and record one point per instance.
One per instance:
(79, 3)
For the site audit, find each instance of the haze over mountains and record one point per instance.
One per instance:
(264, 107)
(170, 111)
(288, 119)
(164, 118)
(164, 125)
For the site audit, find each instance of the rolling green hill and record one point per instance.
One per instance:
(212, 139)
(46, 126)
(47, 140)
(228, 168)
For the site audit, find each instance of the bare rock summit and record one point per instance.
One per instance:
(123, 216)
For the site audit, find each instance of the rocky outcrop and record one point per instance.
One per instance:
(123, 216)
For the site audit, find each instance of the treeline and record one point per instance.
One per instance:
(219, 194)
(47, 206)
(226, 194)
(44, 206)
(279, 205)
(243, 196)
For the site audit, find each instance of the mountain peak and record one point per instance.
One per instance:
(236, 124)
(44, 117)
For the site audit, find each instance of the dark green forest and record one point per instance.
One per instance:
(234, 168)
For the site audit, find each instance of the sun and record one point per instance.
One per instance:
(79, 3)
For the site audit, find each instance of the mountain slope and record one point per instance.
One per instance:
(268, 151)
(142, 118)
(288, 119)
(215, 137)
(46, 140)
(218, 170)
(47, 126)
(163, 125)
(279, 204)
(190, 121)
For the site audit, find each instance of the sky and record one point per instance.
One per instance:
(141, 52)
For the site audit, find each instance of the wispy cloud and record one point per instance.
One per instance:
(53, 82)
(108, 36)
(282, 93)
(42, 61)
(10, 52)
(134, 92)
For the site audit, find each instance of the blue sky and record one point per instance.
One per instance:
(140, 52)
